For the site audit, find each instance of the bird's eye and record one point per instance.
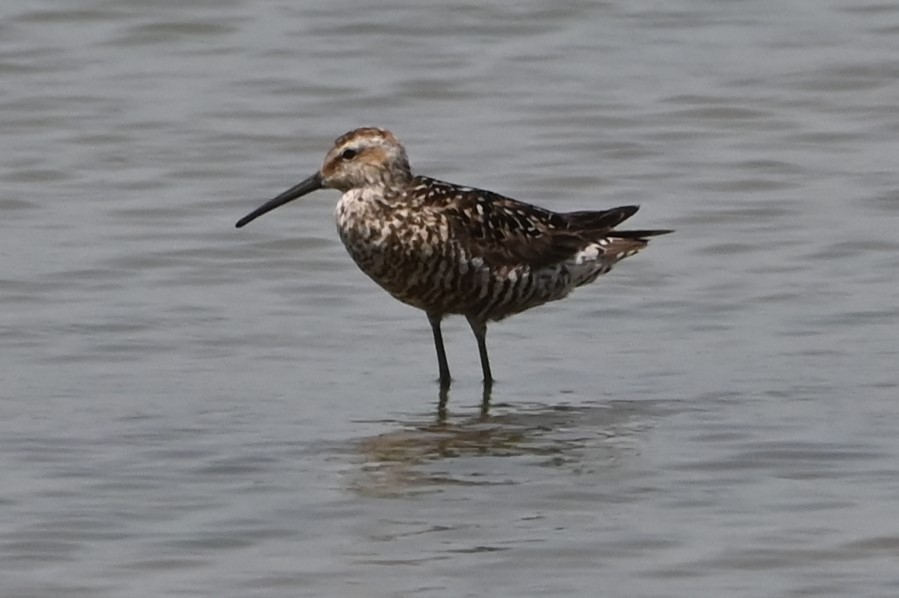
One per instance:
(348, 154)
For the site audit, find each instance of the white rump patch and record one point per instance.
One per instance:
(587, 264)
(589, 254)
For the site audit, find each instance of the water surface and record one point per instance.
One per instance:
(188, 409)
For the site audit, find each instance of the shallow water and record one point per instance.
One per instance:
(188, 409)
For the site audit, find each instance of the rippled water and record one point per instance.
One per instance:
(187, 409)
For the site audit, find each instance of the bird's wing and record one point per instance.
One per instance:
(507, 232)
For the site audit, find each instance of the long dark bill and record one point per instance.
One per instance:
(308, 186)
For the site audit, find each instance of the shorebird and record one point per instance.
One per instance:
(448, 249)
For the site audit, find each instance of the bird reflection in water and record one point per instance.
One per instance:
(426, 455)
(443, 399)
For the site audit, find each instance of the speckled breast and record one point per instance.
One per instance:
(409, 253)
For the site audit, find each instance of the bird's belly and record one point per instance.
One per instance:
(446, 280)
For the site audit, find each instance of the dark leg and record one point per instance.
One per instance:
(441, 352)
(480, 333)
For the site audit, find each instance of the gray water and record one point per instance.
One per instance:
(191, 410)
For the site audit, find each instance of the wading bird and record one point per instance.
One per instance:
(447, 249)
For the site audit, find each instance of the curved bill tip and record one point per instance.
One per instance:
(308, 186)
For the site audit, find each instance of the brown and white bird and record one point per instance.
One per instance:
(447, 249)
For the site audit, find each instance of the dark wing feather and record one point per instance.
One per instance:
(638, 234)
(506, 232)
(599, 223)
